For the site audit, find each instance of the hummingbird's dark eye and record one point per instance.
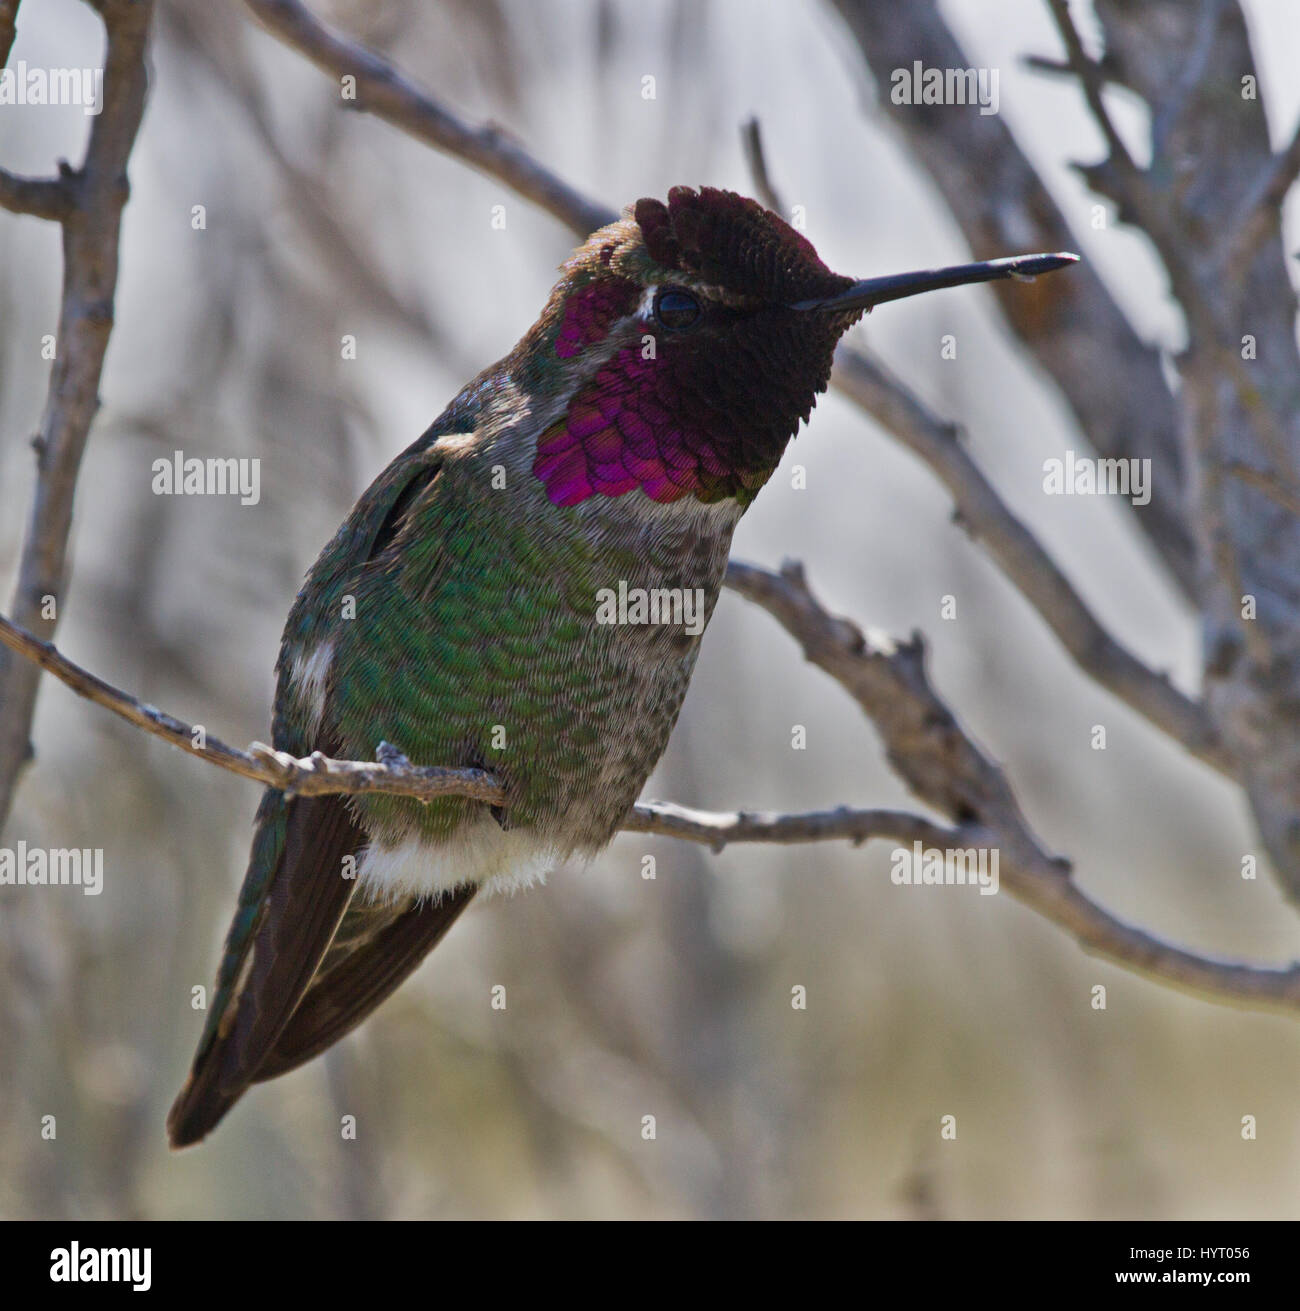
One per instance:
(676, 309)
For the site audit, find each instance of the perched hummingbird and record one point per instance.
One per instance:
(455, 613)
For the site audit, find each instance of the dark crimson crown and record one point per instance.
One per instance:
(732, 242)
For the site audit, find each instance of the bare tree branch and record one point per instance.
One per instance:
(1072, 326)
(387, 93)
(1239, 399)
(751, 139)
(947, 770)
(47, 198)
(869, 384)
(1282, 492)
(1023, 559)
(1042, 888)
(922, 739)
(204, 36)
(1120, 178)
(91, 227)
(717, 830)
(1256, 217)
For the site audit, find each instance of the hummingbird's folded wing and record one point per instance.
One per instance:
(376, 947)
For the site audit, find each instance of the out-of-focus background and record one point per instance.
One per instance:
(627, 997)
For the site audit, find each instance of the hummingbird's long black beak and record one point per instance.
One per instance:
(871, 292)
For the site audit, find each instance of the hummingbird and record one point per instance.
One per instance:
(456, 616)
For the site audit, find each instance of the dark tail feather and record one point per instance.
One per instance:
(342, 996)
(200, 1105)
(305, 898)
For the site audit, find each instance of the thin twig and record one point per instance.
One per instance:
(717, 830)
(46, 198)
(1281, 493)
(751, 139)
(1155, 210)
(384, 91)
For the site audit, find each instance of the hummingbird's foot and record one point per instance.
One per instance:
(387, 754)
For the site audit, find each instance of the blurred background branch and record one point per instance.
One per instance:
(1080, 335)
(88, 203)
(381, 90)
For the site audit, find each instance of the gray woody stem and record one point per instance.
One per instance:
(88, 203)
